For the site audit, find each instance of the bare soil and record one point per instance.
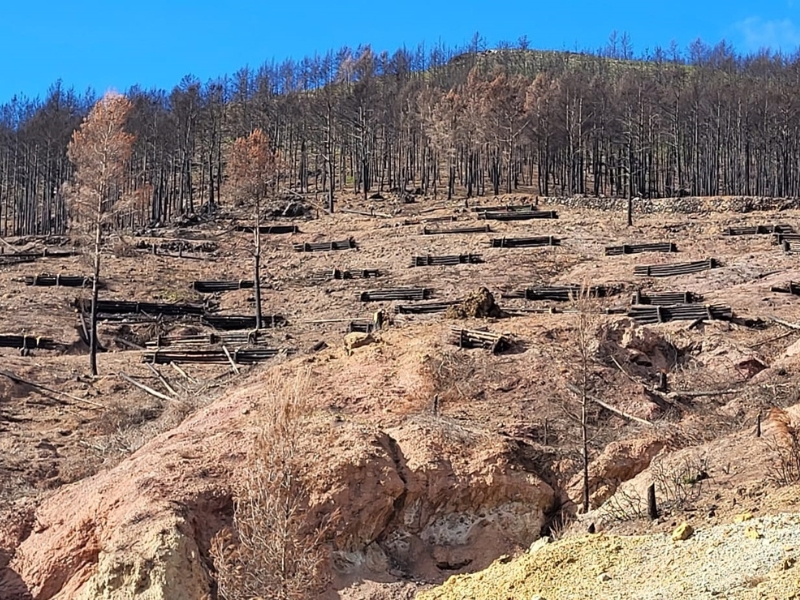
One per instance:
(48, 439)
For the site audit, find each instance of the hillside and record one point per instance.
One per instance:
(439, 459)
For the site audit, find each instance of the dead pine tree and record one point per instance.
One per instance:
(584, 333)
(252, 175)
(100, 150)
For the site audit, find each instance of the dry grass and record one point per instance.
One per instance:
(273, 550)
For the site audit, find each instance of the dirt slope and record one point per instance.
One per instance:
(108, 492)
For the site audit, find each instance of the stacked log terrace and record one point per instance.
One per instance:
(361, 326)
(506, 208)
(123, 307)
(789, 246)
(269, 229)
(791, 288)
(238, 356)
(527, 242)
(456, 230)
(650, 315)
(519, 216)
(472, 338)
(396, 294)
(234, 322)
(424, 308)
(26, 257)
(45, 280)
(637, 248)
(233, 338)
(673, 270)
(179, 246)
(28, 342)
(758, 230)
(16, 259)
(558, 294)
(210, 287)
(337, 274)
(665, 298)
(326, 246)
(458, 259)
(780, 238)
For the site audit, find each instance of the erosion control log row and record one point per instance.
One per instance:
(666, 298)
(791, 288)
(672, 270)
(179, 246)
(526, 242)
(28, 342)
(558, 294)
(637, 248)
(426, 308)
(325, 246)
(209, 287)
(269, 229)
(400, 294)
(471, 338)
(679, 312)
(780, 238)
(507, 208)
(519, 216)
(758, 230)
(337, 274)
(483, 229)
(459, 259)
(234, 322)
(240, 357)
(240, 338)
(361, 326)
(115, 307)
(59, 280)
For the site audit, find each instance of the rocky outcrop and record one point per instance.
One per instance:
(420, 499)
(619, 462)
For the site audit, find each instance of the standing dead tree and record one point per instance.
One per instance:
(584, 334)
(274, 550)
(100, 151)
(252, 174)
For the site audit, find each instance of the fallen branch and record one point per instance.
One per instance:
(230, 359)
(175, 366)
(162, 379)
(17, 379)
(576, 390)
(787, 324)
(145, 388)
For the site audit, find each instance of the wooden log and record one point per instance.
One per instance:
(146, 388)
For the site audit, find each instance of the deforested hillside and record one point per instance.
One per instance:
(422, 378)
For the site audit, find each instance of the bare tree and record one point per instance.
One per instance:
(252, 172)
(99, 150)
(584, 334)
(274, 550)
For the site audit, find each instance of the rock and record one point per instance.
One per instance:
(539, 544)
(752, 533)
(682, 532)
(477, 305)
(619, 462)
(603, 577)
(355, 340)
(741, 518)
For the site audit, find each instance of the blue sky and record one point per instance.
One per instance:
(112, 44)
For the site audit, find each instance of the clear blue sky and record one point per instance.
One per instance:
(112, 44)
